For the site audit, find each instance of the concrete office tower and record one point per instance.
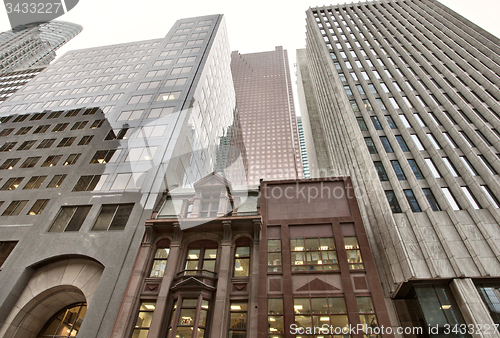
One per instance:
(407, 97)
(89, 148)
(265, 103)
(34, 44)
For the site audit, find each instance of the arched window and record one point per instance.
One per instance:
(66, 323)
(242, 258)
(160, 258)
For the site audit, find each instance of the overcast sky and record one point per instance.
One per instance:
(253, 26)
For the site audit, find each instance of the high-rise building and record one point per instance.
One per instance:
(10, 82)
(407, 97)
(265, 103)
(88, 149)
(34, 44)
(303, 149)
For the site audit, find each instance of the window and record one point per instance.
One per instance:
(412, 200)
(130, 115)
(181, 70)
(416, 170)
(113, 216)
(128, 181)
(433, 140)
(398, 170)
(35, 182)
(9, 164)
(56, 181)
(79, 125)
(430, 198)
(469, 166)
(201, 256)
(85, 140)
(370, 145)
(60, 127)
(390, 121)
(105, 156)
(242, 259)
(376, 123)
(366, 313)
(51, 160)
(362, 124)
(417, 142)
(66, 323)
(169, 96)
(175, 82)
(472, 200)
(7, 146)
(450, 167)
(432, 167)
(386, 144)
(159, 262)
(238, 319)
(65, 142)
(70, 218)
(451, 199)
(15, 208)
(274, 255)
(190, 318)
(353, 253)
(26, 145)
(381, 171)
(491, 197)
(275, 316)
(160, 112)
(38, 207)
(313, 254)
(90, 183)
(488, 165)
(41, 129)
(22, 131)
(140, 99)
(144, 318)
(393, 202)
(319, 311)
(97, 124)
(12, 183)
(6, 132)
(6, 248)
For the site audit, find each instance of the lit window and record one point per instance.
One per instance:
(353, 253)
(144, 318)
(242, 260)
(313, 254)
(274, 255)
(275, 316)
(38, 207)
(238, 319)
(159, 262)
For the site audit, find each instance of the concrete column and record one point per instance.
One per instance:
(128, 306)
(473, 308)
(253, 301)
(158, 321)
(219, 308)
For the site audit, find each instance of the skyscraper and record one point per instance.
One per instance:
(407, 97)
(265, 103)
(88, 149)
(10, 82)
(34, 44)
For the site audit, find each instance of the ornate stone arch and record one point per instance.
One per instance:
(55, 284)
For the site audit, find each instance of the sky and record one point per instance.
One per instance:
(253, 26)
